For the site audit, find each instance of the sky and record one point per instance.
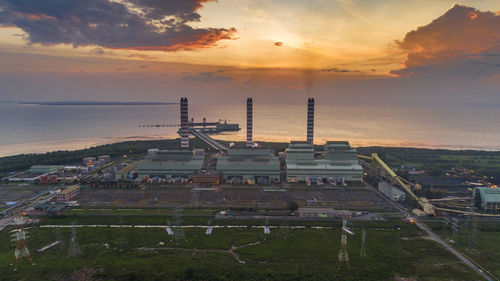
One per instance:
(279, 51)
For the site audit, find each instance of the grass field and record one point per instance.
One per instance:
(286, 254)
(481, 245)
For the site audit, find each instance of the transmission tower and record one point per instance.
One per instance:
(74, 248)
(362, 253)
(444, 230)
(343, 255)
(470, 227)
(179, 231)
(19, 238)
(455, 229)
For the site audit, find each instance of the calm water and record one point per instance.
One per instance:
(40, 128)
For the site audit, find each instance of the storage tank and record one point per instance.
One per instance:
(88, 161)
(106, 158)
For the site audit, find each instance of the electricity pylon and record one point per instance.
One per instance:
(19, 238)
(362, 253)
(179, 231)
(343, 255)
(74, 248)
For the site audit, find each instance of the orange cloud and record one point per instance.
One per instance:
(36, 17)
(200, 41)
(460, 31)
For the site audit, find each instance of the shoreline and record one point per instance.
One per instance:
(39, 148)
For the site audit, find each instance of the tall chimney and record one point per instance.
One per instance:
(249, 122)
(310, 120)
(184, 123)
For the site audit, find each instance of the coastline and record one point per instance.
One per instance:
(85, 143)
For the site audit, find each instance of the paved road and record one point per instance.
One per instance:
(436, 238)
(455, 252)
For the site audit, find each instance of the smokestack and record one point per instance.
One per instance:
(184, 123)
(249, 122)
(310, 120)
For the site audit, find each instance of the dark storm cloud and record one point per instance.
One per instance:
(206, 77)
(130, 24)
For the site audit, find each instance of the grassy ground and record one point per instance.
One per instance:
(481, 245)
(434, 161)
(285, 254)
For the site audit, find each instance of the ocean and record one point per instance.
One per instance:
(37, 128)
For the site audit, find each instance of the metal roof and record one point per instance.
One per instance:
(488, 194)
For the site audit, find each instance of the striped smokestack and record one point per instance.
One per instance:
(184, 123)
(310, 120)
(249, 122)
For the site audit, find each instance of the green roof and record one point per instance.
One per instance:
(488, 194)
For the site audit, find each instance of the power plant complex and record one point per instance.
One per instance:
(337, 163)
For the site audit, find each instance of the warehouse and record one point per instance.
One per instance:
(487, 198)
(45, 169)
(338, 163)
(250, 165)
(171, 164)
(394, 193)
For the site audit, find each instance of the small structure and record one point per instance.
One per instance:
(51, 208)
(487, 198)
(394, 193)
(68, 193)
(321, 212)
(125, 173)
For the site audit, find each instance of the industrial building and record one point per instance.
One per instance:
(487, 198)
(394, 193)
(124, 172)
(338, 163)
(249, 165)
(68, 193)
(171, 164)
(45, 169)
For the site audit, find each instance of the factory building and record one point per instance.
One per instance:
(171, 164)
(487, 198)
(249, 165)
(68, 193)
(338, 163)
(45, 169)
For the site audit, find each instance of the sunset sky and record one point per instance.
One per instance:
(417, 51)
